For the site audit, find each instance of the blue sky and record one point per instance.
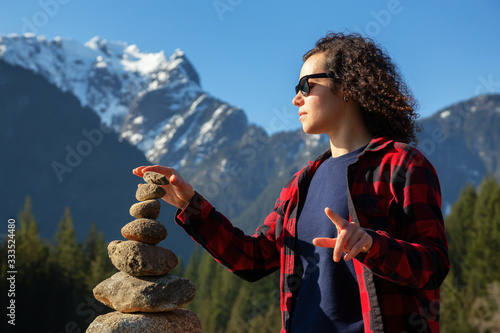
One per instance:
(248, 53)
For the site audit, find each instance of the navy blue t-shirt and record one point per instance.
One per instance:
(328, 299)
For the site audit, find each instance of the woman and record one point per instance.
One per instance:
(372, 202)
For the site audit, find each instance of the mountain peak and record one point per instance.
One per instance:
(180, 59)
(463, 109)
(104, 75)
(111, 49)
(178, 53)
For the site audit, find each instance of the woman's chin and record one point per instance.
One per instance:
(309, 130)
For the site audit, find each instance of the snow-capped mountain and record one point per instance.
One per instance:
(116, 80)
(105, 76)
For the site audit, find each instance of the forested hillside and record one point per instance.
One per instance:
(470, 296)
(52, 289)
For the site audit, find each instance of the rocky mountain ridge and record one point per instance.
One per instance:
(463, 143)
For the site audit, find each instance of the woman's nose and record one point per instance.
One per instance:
(298, 100)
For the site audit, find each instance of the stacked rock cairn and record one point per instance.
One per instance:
(146, 298)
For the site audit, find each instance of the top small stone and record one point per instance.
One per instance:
(151, 177)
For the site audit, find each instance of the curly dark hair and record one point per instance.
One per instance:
(370, 77)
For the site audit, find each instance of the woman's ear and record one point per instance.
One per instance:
(345, 94)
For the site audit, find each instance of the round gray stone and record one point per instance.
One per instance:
(126, 293)
(176, 321)
(145, 231)
(149, 209)
(155, 178)
(149, 191)
(140, 259)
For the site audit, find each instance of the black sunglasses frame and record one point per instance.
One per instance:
(303, 85)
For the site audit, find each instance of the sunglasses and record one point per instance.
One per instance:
(303, 85)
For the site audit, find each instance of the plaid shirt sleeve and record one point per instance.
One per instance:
(412, 250)
(249, 257)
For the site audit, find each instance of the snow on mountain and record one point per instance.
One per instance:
(105, 76)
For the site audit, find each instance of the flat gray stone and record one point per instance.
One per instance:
(155, 178)
(149, 209)
(176, 321)
(149, 191)
(126, 293)
(140, 259)
(145, 231)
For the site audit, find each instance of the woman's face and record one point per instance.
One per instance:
(321, 110)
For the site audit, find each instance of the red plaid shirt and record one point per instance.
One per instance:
(394, 194)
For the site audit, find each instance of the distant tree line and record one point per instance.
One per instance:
(470, 295)
(55, 279)
(227, 304)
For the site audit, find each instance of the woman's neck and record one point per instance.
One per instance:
(352, 135)
(342, 147)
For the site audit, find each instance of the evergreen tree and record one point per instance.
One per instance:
(94, 244)
(485, 314)
(67, 252)
(97, 264)
(453, 308)
(34, 273)
(53, 276)
(224, 288)
(242, 310)
(225, 303)
(479, 269)
(265, 314)
(193, 265)
(31, 251)
(459, 229)
(67, 279)
(470, 299)
(271, 323)
(202, 304)
(252, 310)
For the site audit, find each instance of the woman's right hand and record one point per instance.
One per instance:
(179, 192)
